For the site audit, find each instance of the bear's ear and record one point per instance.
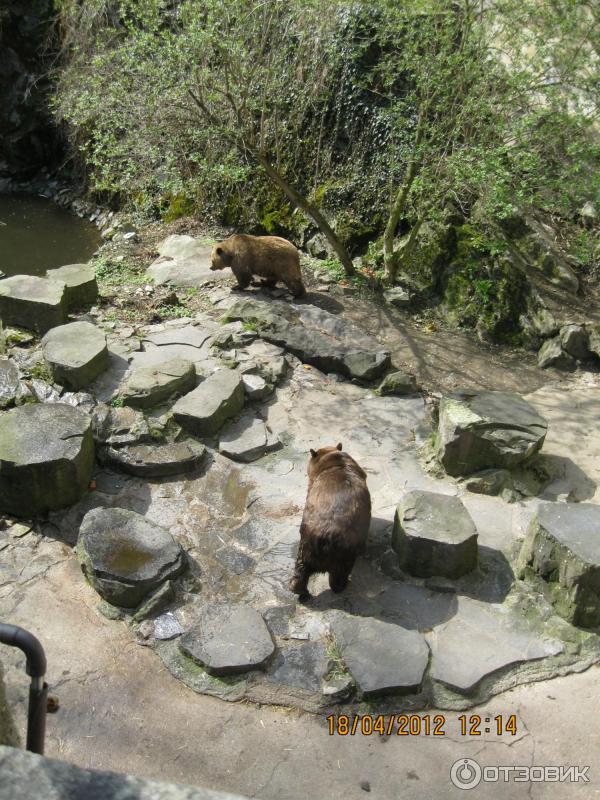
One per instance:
(219, 251)
(313, 453)
(339, 445)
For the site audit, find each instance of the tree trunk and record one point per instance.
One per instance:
(309, 209)
(389, 257)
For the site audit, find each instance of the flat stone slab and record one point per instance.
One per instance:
(10, 382)
(46, 458)
(316, 337)
(247, 440)
(228, 639)
(145, 387)
(36, 304)
(562, 547)
(120, 426)
(434, 535)
(76, 354)
(80, 282)
(184, 261)
(382, 657)
(204, 411)
(156, 460)
(125, 556)
(485, 429)
(480, 639)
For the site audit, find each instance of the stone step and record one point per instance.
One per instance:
(204, 411)
(36, 304)
(76, 354)
(80, 282)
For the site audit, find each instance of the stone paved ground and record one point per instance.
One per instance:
(121, 709)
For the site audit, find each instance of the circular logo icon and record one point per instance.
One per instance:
(465, 773)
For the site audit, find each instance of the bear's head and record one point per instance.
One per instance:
(221, 257)
(322, 458)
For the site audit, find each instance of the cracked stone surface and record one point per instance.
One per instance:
(33, 303)
(479, 430)
(125, 556)
(48, 449)
(76, 353)
(434, 535)
(247, 440)
(145, 387)
(228, 639)
(562, 547)
(80, 282)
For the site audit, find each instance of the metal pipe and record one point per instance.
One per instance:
(14, 636)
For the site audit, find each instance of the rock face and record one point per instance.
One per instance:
(158, 460)
(149, 386)
(316, 337)
(382, 657)
(76, 353)
(574, 340)
(551, 354)
(125, 556)
(481, 430)
(247, 440)
(203, 411)
(80, 282)
(434, 535)
(562, 546)
(10, 385)
(46, 458)
(36, 304)
(228, 639)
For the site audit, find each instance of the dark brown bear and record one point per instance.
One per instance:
(336, 519)
(269, 257)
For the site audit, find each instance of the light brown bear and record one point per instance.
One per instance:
(336, 519)
(269, 257)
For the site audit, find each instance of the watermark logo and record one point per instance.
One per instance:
(466, 773)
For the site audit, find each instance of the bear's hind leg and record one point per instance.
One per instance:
(295, 286)
(302, 574)
(339, 575)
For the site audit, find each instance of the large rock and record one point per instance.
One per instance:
(37, 304)
(594, 340)
(247, 440)
(46, 458)
(544, 323)
(228, 639)
(434, 535)
(125, 556)
(10, 382)
(76, 353)
(80, 282)
(479, 640)
(487, 429)
(185, 261)
(574, 340)
(203, 411)
(551, 354)
(398, 383)
(382, 657)
(562, 546)
(316, 337)
(156, 460)
(149, 386)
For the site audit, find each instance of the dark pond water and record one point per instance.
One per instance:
(36, 235)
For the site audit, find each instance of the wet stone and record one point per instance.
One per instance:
(47, 455)
(76, 353)
(33, 303)
(145, 387)
(562, 547)
(228, 639)
(434, 535)
(156, 460)
(382, 657)
(204, 411)
(247, 440)
(80, 281)
(479, 430)
(125, 556)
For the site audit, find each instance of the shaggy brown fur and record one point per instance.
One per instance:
(268, 257)
(336, 519)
